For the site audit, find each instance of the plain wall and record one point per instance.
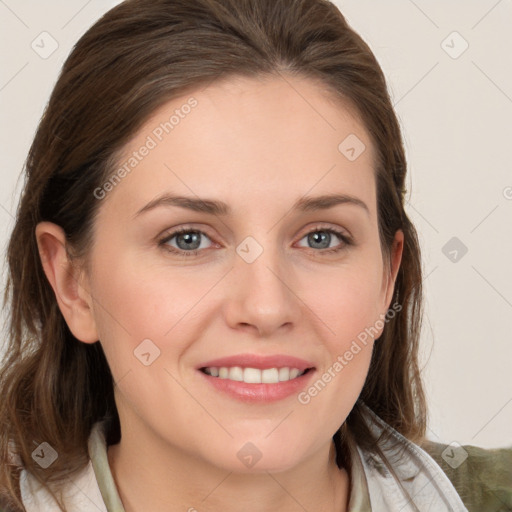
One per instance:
(455, 108)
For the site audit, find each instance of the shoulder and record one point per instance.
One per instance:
(482, 477)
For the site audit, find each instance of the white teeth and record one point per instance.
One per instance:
(236, 373)
(270, 376)
(284, 374)
(254, 375)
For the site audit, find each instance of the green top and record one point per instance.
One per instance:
(483, 480)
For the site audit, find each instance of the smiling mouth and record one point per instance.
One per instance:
(255, 375)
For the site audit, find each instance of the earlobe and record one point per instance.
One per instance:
(75, 302)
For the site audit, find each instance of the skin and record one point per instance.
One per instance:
(258, 145)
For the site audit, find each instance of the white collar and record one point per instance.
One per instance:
(423, 479)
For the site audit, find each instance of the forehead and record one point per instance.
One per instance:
(243, 139)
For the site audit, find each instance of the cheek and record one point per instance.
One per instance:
(332, 395)
(346, 305)
(141, 301)
(346, 301)
(137, 302)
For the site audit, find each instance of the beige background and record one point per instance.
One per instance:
(455, 107)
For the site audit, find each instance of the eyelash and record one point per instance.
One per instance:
(347, 241)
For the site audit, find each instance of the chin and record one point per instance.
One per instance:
(247, 457)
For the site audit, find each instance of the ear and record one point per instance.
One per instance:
(67, 281)
(391, 271)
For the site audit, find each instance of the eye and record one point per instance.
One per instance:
(321, 237)
(188, 241)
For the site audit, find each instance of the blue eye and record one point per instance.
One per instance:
(321, 235)
(189, 243)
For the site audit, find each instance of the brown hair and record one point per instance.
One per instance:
(138, 56)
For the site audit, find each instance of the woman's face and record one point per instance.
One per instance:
(261, 275)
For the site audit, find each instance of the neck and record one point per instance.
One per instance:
(162, 478)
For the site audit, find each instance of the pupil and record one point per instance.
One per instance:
(318, 236)
(189, 239)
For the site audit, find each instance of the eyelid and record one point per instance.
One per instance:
(325, 227)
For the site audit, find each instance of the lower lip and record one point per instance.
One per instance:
(259, 392)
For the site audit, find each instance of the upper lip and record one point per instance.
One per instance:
(261, 362)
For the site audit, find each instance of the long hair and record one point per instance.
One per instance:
(138, 56)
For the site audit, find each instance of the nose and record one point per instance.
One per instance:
(261, 295)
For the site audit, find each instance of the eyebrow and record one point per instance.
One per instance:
(220, 208)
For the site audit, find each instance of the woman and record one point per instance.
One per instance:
(214, 289)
